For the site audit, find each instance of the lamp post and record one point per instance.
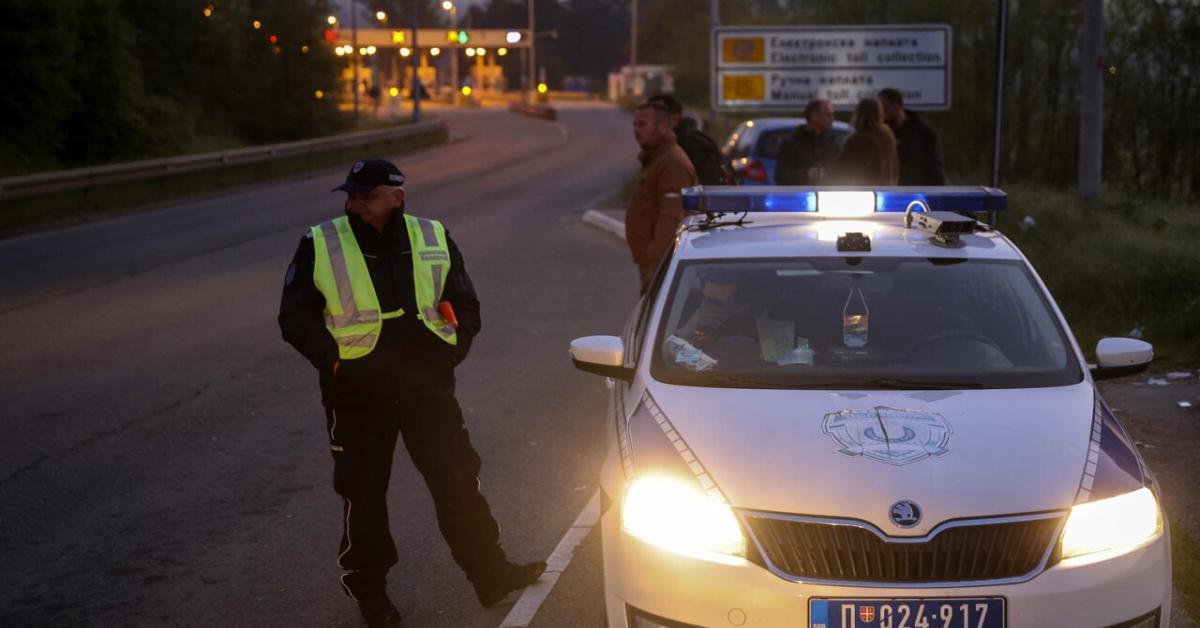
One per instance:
(415, 87)
(449, 6)
(354, 44)
(532, 56)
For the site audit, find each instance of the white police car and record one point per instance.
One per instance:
(824, 418)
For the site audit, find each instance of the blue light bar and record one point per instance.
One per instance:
(738, 199)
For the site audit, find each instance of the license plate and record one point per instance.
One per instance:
(973, 612)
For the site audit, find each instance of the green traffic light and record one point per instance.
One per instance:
(463, 37)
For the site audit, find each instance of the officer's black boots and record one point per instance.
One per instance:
(510, 577)
(369, 589)
(378, 610)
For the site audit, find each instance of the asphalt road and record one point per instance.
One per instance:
(164, 459)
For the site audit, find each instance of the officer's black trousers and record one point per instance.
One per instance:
(363, 440)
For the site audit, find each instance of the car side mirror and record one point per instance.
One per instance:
(1120, 357)
(601, 355)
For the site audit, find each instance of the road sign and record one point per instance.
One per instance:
(774, 68)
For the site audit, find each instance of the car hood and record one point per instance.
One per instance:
(957, 454)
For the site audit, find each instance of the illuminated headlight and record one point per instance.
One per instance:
(679, 517)
(1111, 524)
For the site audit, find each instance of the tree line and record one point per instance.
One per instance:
(1151, 69)
(95, 81)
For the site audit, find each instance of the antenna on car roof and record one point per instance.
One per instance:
(714, 219)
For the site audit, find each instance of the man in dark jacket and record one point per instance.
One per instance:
(712, 167)
(365, 301)
(917, 143)
(804, 157)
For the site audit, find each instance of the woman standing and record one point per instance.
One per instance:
(869, 154)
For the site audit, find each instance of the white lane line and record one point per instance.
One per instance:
(605, 223)
(531, 600)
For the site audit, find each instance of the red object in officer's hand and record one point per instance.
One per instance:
(447, 312)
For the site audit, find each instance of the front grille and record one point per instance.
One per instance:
(851, 552)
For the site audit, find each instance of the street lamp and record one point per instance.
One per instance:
(449, 6)
(381, 16)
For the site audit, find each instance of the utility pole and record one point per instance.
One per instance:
(1091, 103)
(998, 123)
(1001, 44)
(532, 55)
(415, 86)
(714, 14)
(354, 44)
(454, 50)
(633, 12)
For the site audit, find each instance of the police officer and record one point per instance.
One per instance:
(379, 301)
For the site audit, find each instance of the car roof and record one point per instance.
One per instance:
(774, 123)
(771, 124)
(784, 234)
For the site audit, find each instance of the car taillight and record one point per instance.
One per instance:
(754, 171)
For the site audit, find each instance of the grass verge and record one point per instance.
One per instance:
(35, 212)
(1185, 561)
(1116, 265)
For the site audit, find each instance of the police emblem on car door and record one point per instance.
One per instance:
(890, 435)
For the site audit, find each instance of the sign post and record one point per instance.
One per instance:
(782, 68)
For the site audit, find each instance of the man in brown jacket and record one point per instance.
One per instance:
(656, 208)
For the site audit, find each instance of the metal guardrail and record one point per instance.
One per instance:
(77, 178)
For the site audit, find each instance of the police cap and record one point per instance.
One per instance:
(368, 174)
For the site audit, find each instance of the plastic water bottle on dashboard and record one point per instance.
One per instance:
(855, 319)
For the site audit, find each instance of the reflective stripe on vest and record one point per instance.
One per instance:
(352, 310)
(431, 266)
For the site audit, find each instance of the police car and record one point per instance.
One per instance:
(858, 408)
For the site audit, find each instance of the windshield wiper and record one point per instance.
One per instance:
(891, 383)
(888, 383)
(733, 382)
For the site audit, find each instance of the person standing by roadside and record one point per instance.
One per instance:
(656, 208)
(917, 144)
(869, 155)
(380, 303)
(712, 167)
(805, 155)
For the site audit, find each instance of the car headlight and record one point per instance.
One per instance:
(1111, 524)
(679, 517)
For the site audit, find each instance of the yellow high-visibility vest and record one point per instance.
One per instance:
(352, 311)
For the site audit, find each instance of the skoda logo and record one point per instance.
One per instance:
(905, 514)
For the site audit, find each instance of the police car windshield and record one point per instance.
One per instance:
(861, 323)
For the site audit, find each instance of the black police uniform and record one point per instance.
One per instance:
(404, 387)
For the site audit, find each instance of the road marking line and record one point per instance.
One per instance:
(605, 223)
(535, 594)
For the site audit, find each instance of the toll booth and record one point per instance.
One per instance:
(448, 60)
